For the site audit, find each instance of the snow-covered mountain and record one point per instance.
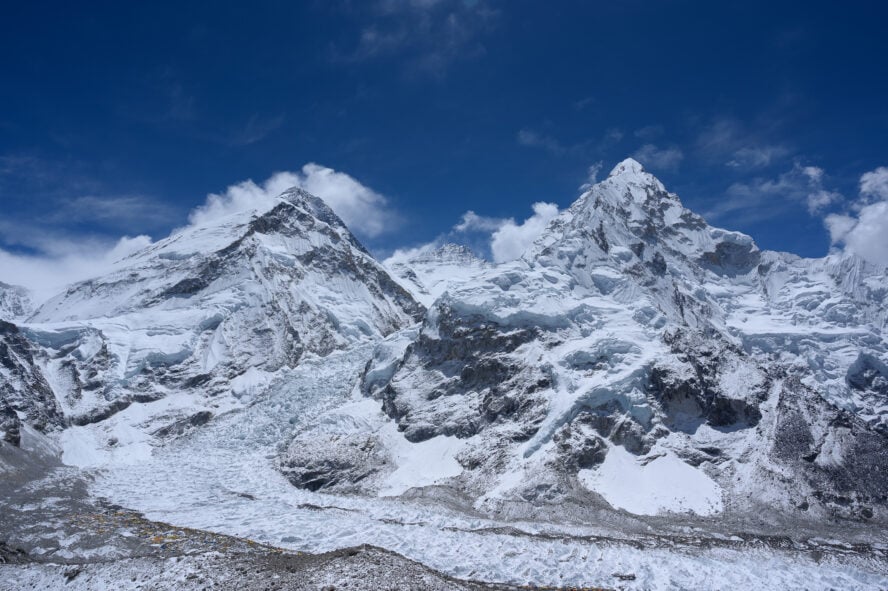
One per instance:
(639, 394)
(431, 272)
(215, 309)
(15, 302)
(635, 358)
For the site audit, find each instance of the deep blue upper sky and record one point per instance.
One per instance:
(440, 105)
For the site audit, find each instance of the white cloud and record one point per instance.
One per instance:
(58, 262)
(865, 232)
(403, 255)
(363, 210)
(659, 158)
(472, 222)
(874, 184)
(511, 240)
(508, 239)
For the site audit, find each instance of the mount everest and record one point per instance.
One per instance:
(636, 370)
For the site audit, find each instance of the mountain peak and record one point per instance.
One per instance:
(629, 165)
(449, 252)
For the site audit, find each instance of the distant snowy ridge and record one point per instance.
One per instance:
(431, 272)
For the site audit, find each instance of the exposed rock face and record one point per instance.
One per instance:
(215, 309)
(631, 323)
(25, 394)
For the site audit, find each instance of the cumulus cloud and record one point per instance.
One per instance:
(54, 263)
(864, 230)
(506, 238)
(511, 239)
(363, 210)
(874, 184)
(654, 157)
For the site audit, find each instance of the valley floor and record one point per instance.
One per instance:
(235, 516)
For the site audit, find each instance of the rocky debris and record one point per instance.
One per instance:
(317, 461)
(56, 536)
(185, 425)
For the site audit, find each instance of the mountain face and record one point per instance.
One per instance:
(429, 274)
(637, 358)
(25, 395)
(15, 302)
(215, 309)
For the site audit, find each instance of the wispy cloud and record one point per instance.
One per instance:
(656, 158)
(592, 175)
(531, 138)
(649, 132)
(428, 35)
(727, 141)
(256, 128)
(762, 198)
(121, 212)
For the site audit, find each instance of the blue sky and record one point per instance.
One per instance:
(118, 119)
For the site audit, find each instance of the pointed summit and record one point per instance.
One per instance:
(629, 165)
